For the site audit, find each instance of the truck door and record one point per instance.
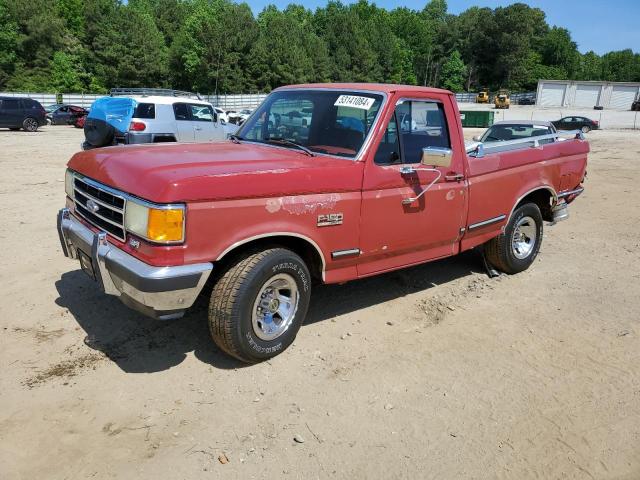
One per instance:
(395, 231)
(184, 125)
(203, 123)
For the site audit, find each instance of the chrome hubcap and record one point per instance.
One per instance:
(524, 237)
(275, 307)
(31, 124)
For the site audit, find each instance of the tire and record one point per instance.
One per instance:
(235, 322)
(585, 129)
(511, 252)
(30, 124)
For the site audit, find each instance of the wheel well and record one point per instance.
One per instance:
(305, 249)
(543, 198)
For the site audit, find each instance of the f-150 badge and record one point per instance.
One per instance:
(330, 219)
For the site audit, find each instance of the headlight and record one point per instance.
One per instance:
(68, 183)
(161, 224)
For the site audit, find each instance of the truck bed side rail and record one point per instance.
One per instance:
(479, 150)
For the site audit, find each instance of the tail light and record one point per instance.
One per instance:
(595, 122)
(137, 126)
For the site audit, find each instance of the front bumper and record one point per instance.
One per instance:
(158, 292)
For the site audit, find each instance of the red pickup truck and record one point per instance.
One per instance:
(376, 178)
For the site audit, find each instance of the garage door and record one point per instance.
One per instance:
(622, 97)
(587, 95)
(552, 95)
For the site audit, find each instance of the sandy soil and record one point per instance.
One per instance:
(432, 372)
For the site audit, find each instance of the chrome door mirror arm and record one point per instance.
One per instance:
(410, 171)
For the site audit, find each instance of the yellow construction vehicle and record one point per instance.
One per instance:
(502, 99)
(483, 96)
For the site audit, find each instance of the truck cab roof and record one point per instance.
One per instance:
(373, 87)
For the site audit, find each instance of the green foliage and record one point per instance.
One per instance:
(220, 46)
(453, 72)
(8, 45)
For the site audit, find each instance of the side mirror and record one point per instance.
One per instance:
(222, 122)
(436, 156)
(476, 138)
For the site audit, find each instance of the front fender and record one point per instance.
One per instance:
(216, 228)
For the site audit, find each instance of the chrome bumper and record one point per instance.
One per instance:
(158, 292)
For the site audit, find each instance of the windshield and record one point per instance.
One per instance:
(333, 122)
(502, 133)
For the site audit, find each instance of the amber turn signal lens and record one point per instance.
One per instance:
(165, 225)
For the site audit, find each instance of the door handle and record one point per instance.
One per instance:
(454, 177)
(198, 128)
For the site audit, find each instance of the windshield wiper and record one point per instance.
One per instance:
(234, 138)
(286, 141)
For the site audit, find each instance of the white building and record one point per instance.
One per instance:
(587, 94)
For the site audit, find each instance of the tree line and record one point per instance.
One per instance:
(218, 46)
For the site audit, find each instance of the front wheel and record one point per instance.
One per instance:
(515, 250)
(30, 124)
(259, 303)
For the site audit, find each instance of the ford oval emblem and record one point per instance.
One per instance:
(92, 206)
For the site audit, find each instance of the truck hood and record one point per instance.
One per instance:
(165, 173)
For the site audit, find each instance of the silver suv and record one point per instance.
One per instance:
(134, 116)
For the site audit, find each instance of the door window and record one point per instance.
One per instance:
(389, 149)
(416, 124)
(202, 113)
(11, 104)
(181, 111)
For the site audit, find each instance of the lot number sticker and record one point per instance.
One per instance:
(354, 101)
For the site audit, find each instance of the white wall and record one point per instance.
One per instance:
(571, 88)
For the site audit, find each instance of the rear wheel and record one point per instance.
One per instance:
(258, 305)
(515, 250)
(30, 124)
(586, 129)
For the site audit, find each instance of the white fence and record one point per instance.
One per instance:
(470, 97)
(607, 118)
(227, 102)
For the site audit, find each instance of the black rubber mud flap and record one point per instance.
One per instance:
(488, 266)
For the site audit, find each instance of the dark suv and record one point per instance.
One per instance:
(17, 113)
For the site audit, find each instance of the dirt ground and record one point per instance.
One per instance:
(432, 372)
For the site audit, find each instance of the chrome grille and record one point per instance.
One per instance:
(108, 206)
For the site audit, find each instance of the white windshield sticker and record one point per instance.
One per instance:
(354, 101)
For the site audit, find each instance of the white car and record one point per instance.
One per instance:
(222, 115)
(134, 116)
(239, 117)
